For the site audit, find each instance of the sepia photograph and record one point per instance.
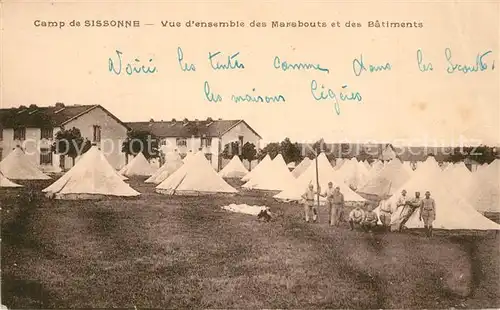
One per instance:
(250, 154)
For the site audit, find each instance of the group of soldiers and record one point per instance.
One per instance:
(366, 217)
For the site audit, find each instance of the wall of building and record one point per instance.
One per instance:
(31, 146)
(112, 135)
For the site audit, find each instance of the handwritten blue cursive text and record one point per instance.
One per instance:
(358, 66)
(479, 66)
(285, 66)
(131, 68)
(328, 94)
(421, 65)
(184, 66)
(231, 64)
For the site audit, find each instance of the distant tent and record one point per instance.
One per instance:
(484, 197)
(338, 163)
(17, 166)
(407, 166)
(139, 166)
(326, 174)
(173, 162)
(262, 163)
(452, 211)
(387, 180)
(274, 176)
(388, 153)
(4, 182)
(195, 177)
(352, 173)
(234, 169)
(304, 164)
(188, 156)
(91, 177)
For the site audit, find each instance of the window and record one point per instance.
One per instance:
(240, 138)
(20, 133)
(46, 133)
(163, 142)
(181, 142)
(97, 134)
(206, 142)
(45, 156)
(1, 134)
(208, 156)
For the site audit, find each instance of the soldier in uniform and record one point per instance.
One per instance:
(335, 201)
(356, 216)
(370, 219)
(428, 213)
(409, 208)
(308, 197)
(385, 214)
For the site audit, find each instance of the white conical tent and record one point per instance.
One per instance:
(338, 163)
(326, 174)
(92, 176)
(304, 164)
(188, 156)
(196, 176)
(484, 197)
(17, 166)
(4, 182)
(352, 173)
(390, 178)
(275, 176)
(263, 163)
(388, 153)
(366, 165)
(407, 166)
(234, 169)
(452, 212)
(173, 162)
(139, 166)
(458, 176)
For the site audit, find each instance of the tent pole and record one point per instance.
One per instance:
(317, 185)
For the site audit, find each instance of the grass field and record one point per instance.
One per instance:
(185, 252)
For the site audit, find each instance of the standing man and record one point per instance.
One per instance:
(400, 208)
(308, 197)
(335, 202)
(409, 208)
(428, 213)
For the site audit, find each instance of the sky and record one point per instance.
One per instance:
(403, 105)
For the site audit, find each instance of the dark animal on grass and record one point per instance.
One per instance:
(264, 215)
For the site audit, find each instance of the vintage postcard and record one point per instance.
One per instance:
(250, 154)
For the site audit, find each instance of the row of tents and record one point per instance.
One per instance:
(453, 186)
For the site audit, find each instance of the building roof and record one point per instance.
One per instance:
(52, 116)
(182, 129)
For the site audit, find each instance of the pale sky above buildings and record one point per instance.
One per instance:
(43, 66)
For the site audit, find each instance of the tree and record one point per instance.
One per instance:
(290, 151)
(249, 153)
(272, 149)
(141, 141)
(481, 154)
(231, 149)
(316, 149)
(69, 142)
(363, 155)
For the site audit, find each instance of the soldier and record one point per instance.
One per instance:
(335, 201)
(409, 208)
(370, 219)
(400, 208)
(308, 197)
(356, 216)
(385, 214)
(428, 213)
